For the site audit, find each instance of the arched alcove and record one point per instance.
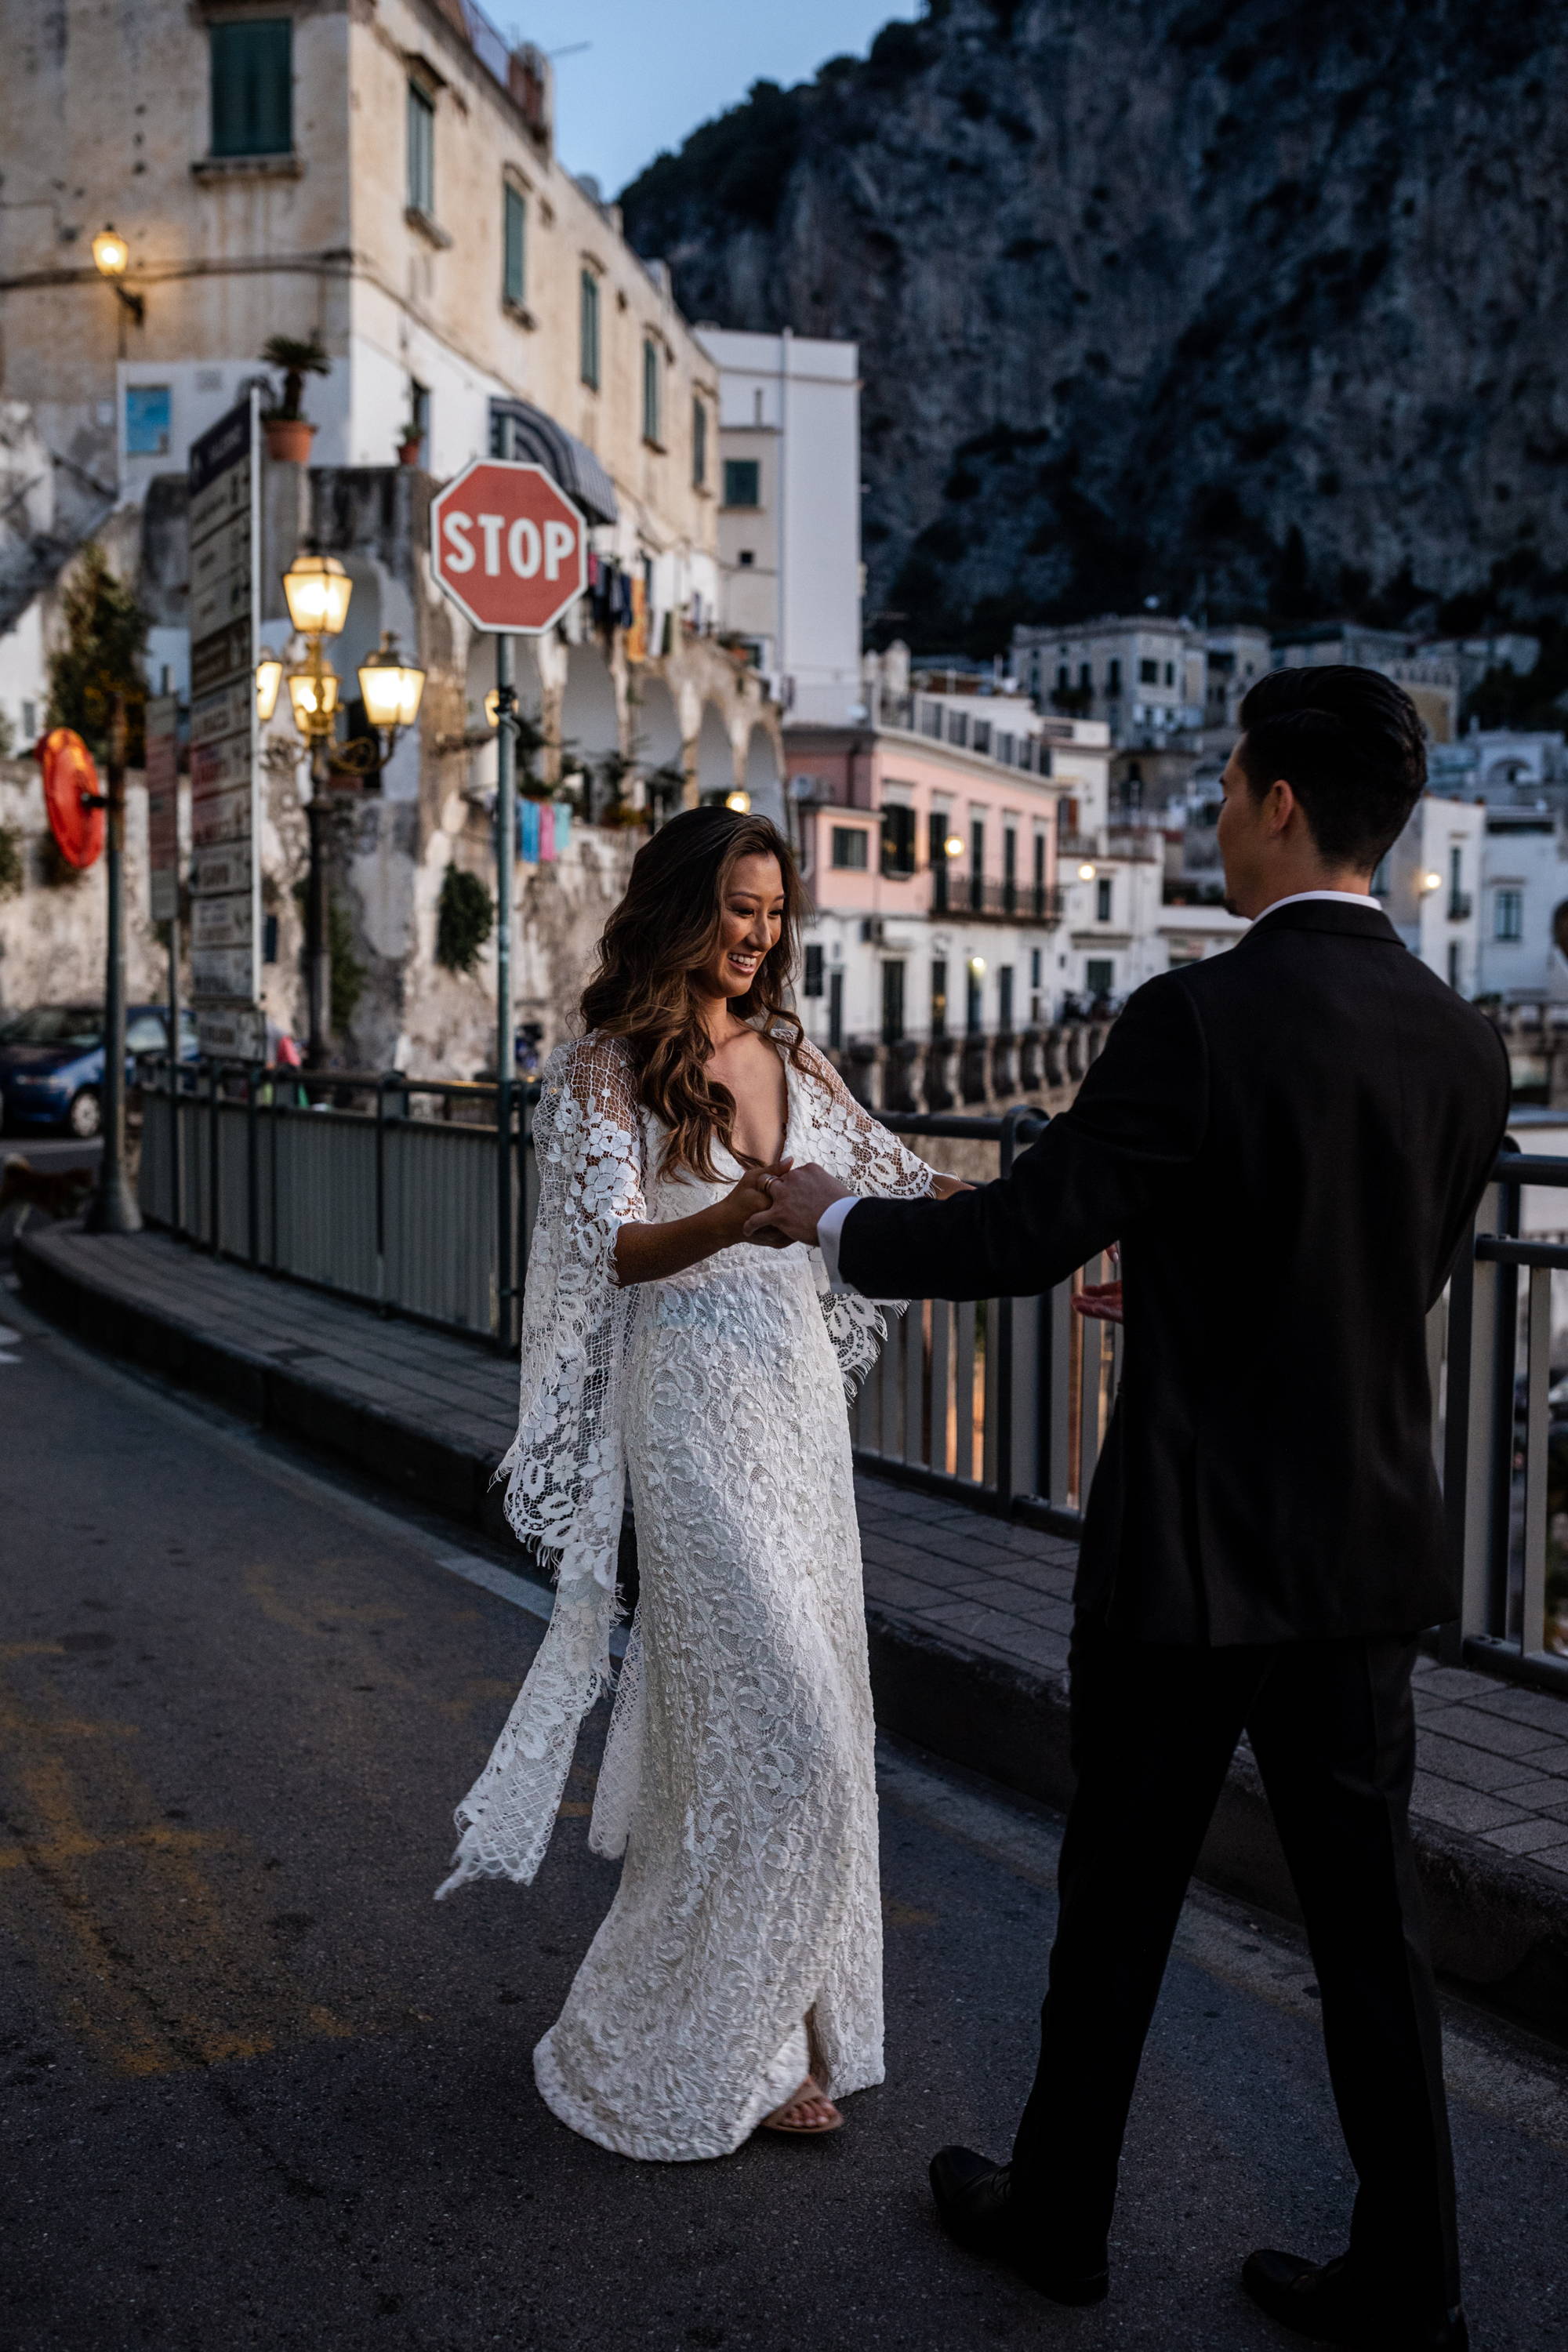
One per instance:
(715, 757)
(656, 728)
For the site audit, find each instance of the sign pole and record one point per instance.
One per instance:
(112, 1208)
(176, 1135)
(506, 843)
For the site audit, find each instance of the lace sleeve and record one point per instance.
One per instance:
(565, 1468)
(856, 1148)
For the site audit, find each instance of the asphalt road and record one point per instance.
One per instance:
(260, 2091)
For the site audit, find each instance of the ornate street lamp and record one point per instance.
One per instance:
(391, 690)
(318, 589)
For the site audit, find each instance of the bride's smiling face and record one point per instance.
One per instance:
(750, 916)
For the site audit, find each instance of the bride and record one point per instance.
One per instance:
(737, 1980)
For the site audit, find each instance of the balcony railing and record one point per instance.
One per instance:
(1004, 901)
(1004, 1402)
(966, 730)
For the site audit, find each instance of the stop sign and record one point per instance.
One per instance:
(508, 546)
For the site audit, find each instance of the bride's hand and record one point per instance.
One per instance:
(944, 1187)
(750, 1198)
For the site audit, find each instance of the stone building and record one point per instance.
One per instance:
(380, 175)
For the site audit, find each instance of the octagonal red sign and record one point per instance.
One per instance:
(508, 546)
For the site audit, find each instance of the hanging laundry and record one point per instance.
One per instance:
(528, 830)
(562, 826)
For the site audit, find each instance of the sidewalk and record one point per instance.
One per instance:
(969, 1614)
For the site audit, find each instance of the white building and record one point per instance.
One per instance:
(1146, 676)
(1430, 885)
(1524, 907)
(789, 517)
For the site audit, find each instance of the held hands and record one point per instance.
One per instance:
(794, 1198)
(750, 1202)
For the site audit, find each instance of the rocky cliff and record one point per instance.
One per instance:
(1255, 305)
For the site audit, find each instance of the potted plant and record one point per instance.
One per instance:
(410, 441)
(289, 431)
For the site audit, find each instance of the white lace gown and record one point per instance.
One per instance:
(737, 1777)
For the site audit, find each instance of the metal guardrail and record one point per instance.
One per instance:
(1003, 1404)
(383, 1189)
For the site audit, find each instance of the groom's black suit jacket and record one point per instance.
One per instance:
(1287, 1141)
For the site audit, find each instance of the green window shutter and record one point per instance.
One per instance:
(253, 86)
(700, 449)
(742, 482)
(514, 282)
(650, 390)
(590, 329)
(421, 151)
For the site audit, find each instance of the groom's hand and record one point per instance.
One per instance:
(799, 1197)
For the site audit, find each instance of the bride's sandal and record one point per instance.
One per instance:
(810, 2114)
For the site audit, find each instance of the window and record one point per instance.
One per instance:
(421, 151)
(1005, 996)
(1009, 868)
(746, 558)
(892, 1002)
(588, 329)
(252, 67)
(1169, 673)
(742, 482)
(1102, 891)
(897, 841)
(1099, 975)
(849, 847)
(145, 1033)
(977, 861)
(974, 1000)
(1508, 914)
(515, 246)
(836, 1010)
(939, 996)
(1084, 678)
(1034, 967)
(419, 417)
(1113, 676)
(147, 420)
(1148, 672)
(936, 853)
(269, 938)
(652, 391)
(1064, 678)
(811, 978)
(699, 445)
(1039, 887)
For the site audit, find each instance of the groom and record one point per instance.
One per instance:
(1288, 1141)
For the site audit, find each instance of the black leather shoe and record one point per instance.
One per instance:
(1328, 2303)
(973, 2204)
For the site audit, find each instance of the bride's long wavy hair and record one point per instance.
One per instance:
(664, 932)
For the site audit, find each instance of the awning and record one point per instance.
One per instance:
(519, 430)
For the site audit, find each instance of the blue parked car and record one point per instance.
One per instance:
(51, 1061)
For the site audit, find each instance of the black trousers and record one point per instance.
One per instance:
(1333, 1728)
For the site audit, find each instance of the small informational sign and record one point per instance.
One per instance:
(226, 883)
(162, 808)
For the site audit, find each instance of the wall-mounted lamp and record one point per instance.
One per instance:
(739, 802)
(977, 966)
(1430, 882)
(111, 257)
(1085, 873)
(953, 846)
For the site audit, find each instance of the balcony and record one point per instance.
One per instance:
(998, 902)
(1460, 905)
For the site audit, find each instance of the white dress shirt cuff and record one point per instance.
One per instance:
(830, 1224)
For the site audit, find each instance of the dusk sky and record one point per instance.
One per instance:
(659, 68)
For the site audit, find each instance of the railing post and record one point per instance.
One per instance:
(252, 1163)
(1477, 1452)
(381, 1307)
(214, 1192)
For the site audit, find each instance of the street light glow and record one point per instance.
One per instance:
(390, 687)
(739, 802)
(110, 252)
(318, 589)
(1085, 873)
(953, 846)
(268, 681)
(1430, 882)
(313, 697)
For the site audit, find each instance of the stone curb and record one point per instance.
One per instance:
(1499, 1926)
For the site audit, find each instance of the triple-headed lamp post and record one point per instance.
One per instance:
(318, 588)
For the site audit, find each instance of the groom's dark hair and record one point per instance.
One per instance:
(1350, 745)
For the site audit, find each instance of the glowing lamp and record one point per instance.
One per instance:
(977, 966)
(268, 684)
(313, 697)
(1085, 873)
(953, 846)
(1430, 882)
(739, 802)
(110, 252)
(318, 589)
(390, 687)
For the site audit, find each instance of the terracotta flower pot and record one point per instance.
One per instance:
(408, 453)
(289, 439)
